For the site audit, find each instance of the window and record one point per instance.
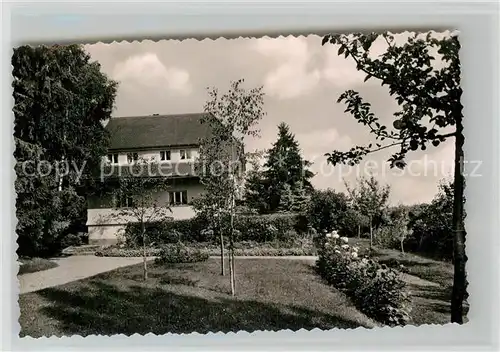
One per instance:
(165, 155)
(124, 201)
(113, 158)
(131, 157)
(178, 198)
(185, 154)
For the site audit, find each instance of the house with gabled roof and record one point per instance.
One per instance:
(172, 141)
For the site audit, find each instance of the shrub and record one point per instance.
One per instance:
(432, 227)
(179, 253)
(74, 240)
(377, 290)
(265, 228)
(260, 228)
(396, 229)
(326, 210)
(167, 231)
(35, 264)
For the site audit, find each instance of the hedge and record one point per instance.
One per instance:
(259, 228)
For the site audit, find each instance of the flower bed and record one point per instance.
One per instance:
(378, 291)
(211, 249)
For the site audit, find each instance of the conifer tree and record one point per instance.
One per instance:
(285, 165)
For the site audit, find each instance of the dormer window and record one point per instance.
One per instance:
(185, 154)
(113, 158)
(165, 155)
(132, 157)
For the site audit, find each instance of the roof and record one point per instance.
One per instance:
(144, 132)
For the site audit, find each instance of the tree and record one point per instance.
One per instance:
(60, 101)
(285, 166)
(432, 224)
(354, 222)
(256, 186)
(42, 210)
(232, 117)
(138, 199)
(300, 198)
(370, 199)
(430, 106)
(399, 224)
(326, 210)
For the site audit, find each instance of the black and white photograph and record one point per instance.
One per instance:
(242, 184)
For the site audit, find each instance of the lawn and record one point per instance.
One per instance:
(32, 265)
(272, 294)
(430, 298)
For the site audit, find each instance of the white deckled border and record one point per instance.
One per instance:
(60, 22)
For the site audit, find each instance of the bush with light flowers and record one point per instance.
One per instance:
(378, 291)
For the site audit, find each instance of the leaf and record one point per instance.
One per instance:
(341, 50)
(325, 40)
(367, 78)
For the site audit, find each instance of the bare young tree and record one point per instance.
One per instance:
(138, 199)
(232, 117)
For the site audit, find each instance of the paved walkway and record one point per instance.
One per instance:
(71, 268)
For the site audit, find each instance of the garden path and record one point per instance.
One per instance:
(71, 268)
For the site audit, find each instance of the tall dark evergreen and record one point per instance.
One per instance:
(285, 166)
(256, 188)
(61, 99)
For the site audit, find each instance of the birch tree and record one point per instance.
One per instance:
(233, 116)
(137, 199)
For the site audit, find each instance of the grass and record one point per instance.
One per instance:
(32, 265)
(430, 301)
(272, 294)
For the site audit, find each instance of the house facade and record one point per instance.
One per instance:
(171, 141)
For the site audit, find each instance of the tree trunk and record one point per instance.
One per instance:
(222, 270)
(234, 271)
(420, 242)
(459, 256)
(231, 249)
(371, 234)
(231, 266)
(402, 247)
(359, 231)
(144, 252)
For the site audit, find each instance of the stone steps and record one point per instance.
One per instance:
(89, 249)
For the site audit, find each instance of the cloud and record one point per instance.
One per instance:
(147, 70)
(290, 77)
(314, 146)
(316, 143)
(302, 80)
(338, 70)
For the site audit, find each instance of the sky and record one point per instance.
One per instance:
(302, 81)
